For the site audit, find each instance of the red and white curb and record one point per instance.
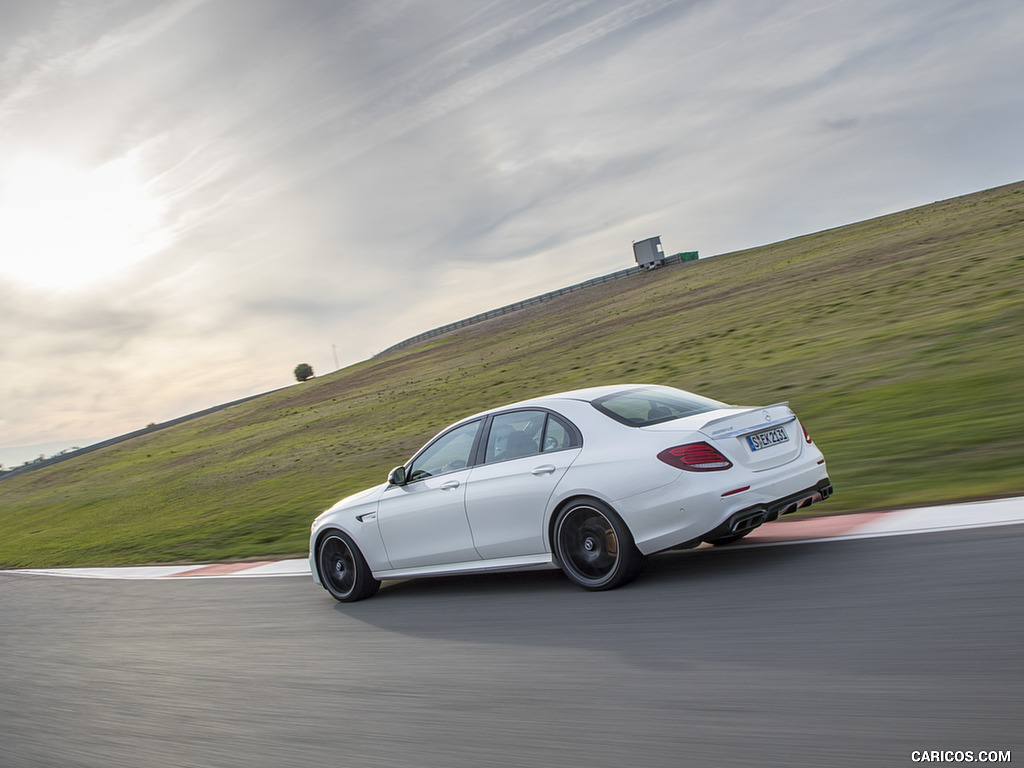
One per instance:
(264, 568)
(858, 525)
(869, 525)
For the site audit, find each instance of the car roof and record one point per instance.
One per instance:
(586, 395)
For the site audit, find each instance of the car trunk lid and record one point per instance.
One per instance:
(754, 438)
(757, 438)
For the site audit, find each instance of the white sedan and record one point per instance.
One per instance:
(589, 481)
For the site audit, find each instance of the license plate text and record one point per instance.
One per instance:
(767, 438)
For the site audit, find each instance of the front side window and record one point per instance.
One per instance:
(450, 452)
(642, 407)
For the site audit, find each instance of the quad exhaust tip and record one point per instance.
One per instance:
(748, 522)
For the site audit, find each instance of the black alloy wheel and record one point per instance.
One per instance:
(594, 547)
(343, 569)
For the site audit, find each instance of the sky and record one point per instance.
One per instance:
(198, 195)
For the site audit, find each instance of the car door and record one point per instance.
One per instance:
(526, 454)
(423, 522)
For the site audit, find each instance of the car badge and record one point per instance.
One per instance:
(767, 416)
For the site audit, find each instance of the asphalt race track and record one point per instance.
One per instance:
(829, 653)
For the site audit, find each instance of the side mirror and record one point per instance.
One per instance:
(397, 476)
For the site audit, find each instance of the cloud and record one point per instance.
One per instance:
(355, 173)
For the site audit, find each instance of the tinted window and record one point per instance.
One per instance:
(451, 451)
(641, 407)
(514, 435)
(557, 435)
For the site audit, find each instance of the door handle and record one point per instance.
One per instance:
(447, 485)
(544, 469)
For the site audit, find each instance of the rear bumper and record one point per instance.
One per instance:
(751, 517)
(695, 508)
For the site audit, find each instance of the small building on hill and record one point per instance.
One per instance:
(649, 253)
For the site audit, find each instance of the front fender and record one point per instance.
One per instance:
(357, 517)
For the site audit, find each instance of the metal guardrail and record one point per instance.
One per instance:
(533, 301)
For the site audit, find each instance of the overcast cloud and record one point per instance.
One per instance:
(197, 195)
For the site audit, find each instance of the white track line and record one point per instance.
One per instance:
(861, 525)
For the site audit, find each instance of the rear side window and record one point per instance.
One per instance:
(525, 433)
(514, 435)
(643, 407)
(557, 435)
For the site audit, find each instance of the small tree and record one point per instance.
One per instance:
(303, 371)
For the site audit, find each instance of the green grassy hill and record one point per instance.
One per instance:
(899, 341)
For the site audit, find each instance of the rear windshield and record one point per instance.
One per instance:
(643, 407)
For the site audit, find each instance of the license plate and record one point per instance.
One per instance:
(767, 439)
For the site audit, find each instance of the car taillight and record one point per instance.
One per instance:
(695, 457)
(807, 435)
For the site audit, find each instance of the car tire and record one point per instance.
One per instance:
(594, 547)
(343, 569)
